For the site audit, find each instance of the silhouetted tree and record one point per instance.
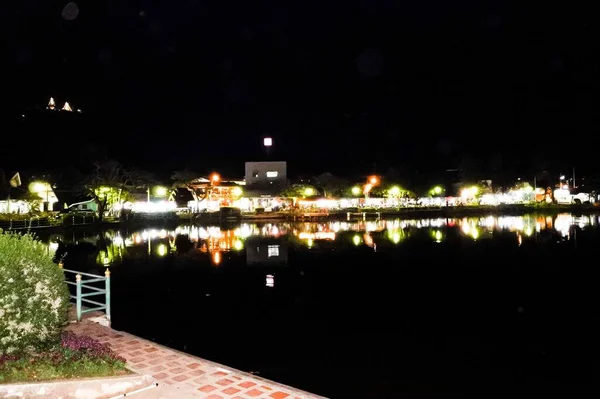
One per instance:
(107, 184)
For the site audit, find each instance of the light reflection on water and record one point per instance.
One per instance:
(114, 245)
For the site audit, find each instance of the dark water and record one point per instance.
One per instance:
(417, 308)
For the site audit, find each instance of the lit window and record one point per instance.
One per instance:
(272, 174)
(272, 251)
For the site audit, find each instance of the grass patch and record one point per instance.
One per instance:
(75, 357)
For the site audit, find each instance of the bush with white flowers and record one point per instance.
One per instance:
(34, 298)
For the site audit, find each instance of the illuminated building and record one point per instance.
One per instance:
(212, 194)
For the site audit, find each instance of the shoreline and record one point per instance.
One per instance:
(354, 214)
(464, 211)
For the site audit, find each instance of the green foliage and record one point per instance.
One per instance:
(299, 191)
(34, 298)
(75, 357)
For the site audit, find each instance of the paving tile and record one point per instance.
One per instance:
(207, 388)
(230, 390)
(181, 378)
(247, 384)
(185, 376)
(254, 393)
(177, 370)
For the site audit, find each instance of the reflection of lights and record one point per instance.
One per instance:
(563, 224)
(216, 258)
(238, 245)
(161, 250)
(272, 251)
(310, 242)
(438, 236)
(270, 280)
(320, 235)
(368, 240)
(356, 240)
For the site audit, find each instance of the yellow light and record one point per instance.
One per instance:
(160, 191)
(355, 190)
(395, 191)
(237, 191)
(215, 178)
(310, 242)
(216, 258)
(306, 236)
(39, 187)
(437, 190)
(356, 240)
(309, 191)
(374, 180)
(161, 250)
(238, 245)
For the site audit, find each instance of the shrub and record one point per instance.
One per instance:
(34, 298)
(75, 356)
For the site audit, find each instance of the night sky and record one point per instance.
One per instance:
(344, 86)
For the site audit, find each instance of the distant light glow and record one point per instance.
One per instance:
(270, 280)
(267, 141)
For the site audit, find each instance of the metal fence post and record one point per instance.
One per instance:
(78, 296)
(107, 275)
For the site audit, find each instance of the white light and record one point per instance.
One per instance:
(267, 141)
(272, 174)
(270, 280)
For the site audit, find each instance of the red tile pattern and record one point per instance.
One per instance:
(188, 376)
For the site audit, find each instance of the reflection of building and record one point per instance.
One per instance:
(266, 252)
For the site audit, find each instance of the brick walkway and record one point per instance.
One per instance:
(183, 376)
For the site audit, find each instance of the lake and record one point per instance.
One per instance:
(389, 308)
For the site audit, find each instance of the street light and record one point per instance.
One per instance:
(160, 191)
(374, 180)
(309, 191)
(268, 142)
(437, 190)
(355, 190)
(395, 191)
(215, 178)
